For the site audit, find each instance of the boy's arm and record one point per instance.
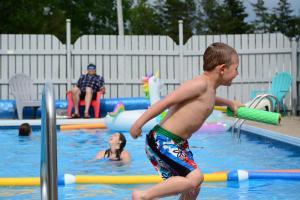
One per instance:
(233, 105)
(186, 91)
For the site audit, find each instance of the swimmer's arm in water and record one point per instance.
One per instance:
(233, 105)
(100, 155)
(188, 90)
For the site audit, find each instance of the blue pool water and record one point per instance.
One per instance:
(20, 157)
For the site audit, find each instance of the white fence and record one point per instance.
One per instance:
(124, 60)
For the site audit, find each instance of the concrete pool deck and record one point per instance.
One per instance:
(290, 125)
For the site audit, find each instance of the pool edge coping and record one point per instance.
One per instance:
(272, 134)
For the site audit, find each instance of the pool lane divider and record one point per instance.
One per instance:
(234, 175)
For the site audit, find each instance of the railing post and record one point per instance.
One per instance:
(68, 49)
(294, 75)
(182, 73)
(48, 170)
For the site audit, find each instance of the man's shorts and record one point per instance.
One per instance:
(82, 95)
(168, 153)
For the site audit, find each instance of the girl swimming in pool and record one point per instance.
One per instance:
(116, 152)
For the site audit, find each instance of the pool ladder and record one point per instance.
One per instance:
(253, 104)
(48, 170)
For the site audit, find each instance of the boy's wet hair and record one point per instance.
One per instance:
(24, 129)
(217, 54)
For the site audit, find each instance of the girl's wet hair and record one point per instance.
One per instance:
(122, 145)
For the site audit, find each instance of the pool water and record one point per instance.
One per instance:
(20, 157)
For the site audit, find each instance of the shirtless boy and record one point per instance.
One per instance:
(189, 106)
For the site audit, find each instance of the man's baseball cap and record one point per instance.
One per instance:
(91, 67)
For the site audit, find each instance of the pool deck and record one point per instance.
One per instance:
(290, 125)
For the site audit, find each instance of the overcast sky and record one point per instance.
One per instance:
(270, 4)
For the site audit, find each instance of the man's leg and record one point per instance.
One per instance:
(88, 99)
(76, 98)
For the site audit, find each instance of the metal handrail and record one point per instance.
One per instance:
(253, 104)
(48, 170)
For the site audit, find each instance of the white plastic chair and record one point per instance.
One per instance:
(21, 87)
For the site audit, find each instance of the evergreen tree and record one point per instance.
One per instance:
(171, 11)
(224, 18)
(161, 12)
(282, 20)
(262, 22)
(144, 20)
(211, 17)
(233, 19)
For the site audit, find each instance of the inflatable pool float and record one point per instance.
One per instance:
(122, 120)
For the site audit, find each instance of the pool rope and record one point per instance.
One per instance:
(234, 175)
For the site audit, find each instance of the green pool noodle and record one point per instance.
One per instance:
(256, 115)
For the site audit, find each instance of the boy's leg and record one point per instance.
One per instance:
(172, 186)
(190, 195)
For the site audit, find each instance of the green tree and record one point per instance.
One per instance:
(21, 16)
(233, 19)
(227, 17)
(144, 20)
(95, 16)
(171, 11)
(261, 23)
(32, 17)
(282, 20)
(161, 12)
(210, 13)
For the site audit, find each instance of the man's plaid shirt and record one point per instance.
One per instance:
(93, 81)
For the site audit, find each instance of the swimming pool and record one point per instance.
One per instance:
(20, 157)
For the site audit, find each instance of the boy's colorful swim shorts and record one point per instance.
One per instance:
(169, 153)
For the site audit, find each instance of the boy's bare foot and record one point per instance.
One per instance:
(137, 195)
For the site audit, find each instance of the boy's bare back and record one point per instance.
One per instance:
(191, 103)
(195, 102)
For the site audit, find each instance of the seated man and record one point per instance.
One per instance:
(86, 88)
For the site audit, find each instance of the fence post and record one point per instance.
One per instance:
(182, 73)
(120, 17)
(68, 49)
(295, 76)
